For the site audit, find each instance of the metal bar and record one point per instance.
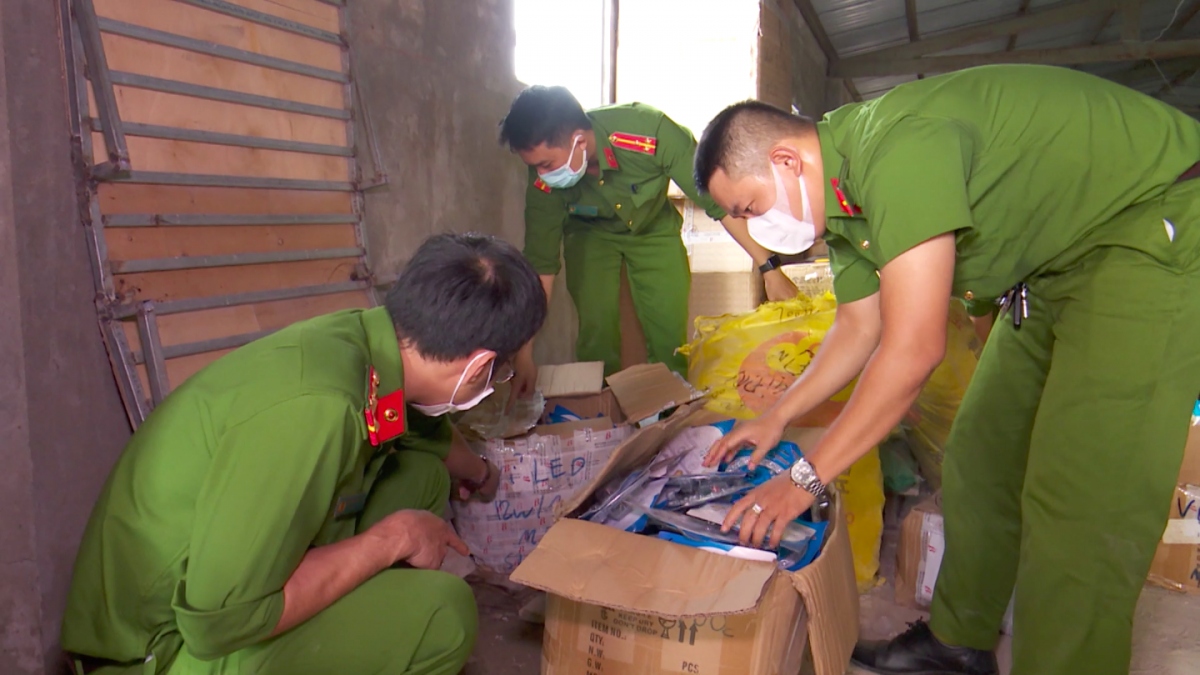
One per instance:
(984, 32)
(225, 95)
(152, 352)
(230, 9)
(380, 176)
(205, 346)
(813, 20)
(219, 301)
(225, 219)
(611, 27)
(180, 134)
(234, 259)
(123, 361)
(1120, 51)
(89, 207)
(102, 86)
(210, 180)
(221, 51)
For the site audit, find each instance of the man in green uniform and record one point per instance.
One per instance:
(1066, 197)
(598, 193)
(279, 512)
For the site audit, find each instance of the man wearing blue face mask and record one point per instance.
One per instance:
(598, 194)
(280, 511)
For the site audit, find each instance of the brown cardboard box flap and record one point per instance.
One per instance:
(571, 379)
(649, 389)
(602, 565)
(830, 595)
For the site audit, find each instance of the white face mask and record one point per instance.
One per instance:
(777, 229)
(439, 409)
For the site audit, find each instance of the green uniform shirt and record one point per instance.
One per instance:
(1025, 164)
(228, 483)
(630, 194)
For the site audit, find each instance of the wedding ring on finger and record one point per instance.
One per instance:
(757, 509)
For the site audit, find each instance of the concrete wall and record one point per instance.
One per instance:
(61, 421)
(791, 66)
(438, 77)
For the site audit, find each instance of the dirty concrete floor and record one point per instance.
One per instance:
(1166, 630)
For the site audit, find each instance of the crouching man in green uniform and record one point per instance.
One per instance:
(280, 512)
(1065, 197)
(598, 193)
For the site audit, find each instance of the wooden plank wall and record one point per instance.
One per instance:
(256, 164)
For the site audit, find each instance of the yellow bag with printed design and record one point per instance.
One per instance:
(928, 424)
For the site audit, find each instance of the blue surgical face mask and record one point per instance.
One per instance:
(564, 176)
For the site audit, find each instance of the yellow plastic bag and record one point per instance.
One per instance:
(747, 361)
(928, 426)
(861, 489)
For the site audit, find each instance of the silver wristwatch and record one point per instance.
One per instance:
(805, 477)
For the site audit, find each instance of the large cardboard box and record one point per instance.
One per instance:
(919, 557)
(626, 604)
(1177, 562)
(551, 463)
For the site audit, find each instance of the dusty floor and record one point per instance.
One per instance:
(1166, 630)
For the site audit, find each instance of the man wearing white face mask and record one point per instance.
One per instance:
(1070, 203)
(280, 511)
(597, 198)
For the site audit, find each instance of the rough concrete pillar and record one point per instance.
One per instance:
(20, 606)
(61, 421)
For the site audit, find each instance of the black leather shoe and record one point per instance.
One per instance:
(917, 652)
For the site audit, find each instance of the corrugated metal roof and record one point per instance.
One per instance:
(858, 27)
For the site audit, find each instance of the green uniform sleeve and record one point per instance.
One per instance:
(269, 489)
(545, 215)
(676, 149)
(854, 277)
(427, 434)
(915, 186)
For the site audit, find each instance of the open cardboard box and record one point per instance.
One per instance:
(548, 465)
(626, 604)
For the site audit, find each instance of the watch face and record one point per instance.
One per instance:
(801, 474)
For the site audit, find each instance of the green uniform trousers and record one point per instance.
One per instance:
(1060, 465)
(659, 280)
(401, 622)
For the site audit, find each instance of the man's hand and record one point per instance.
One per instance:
(416, 537)
(484, 486)
(779, 502)
(762, 434)
(779, 286)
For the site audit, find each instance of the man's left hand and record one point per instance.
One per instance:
(484, 489)
(779, 286)
(781, 501)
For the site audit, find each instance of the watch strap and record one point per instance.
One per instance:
(772, 263)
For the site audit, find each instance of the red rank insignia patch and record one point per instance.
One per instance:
(541, 186)
(643, 144)
(384, 416)
(848, 208)
(611, 157)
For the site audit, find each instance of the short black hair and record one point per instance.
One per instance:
(464, 292)
(542, 115)
(739, 138)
